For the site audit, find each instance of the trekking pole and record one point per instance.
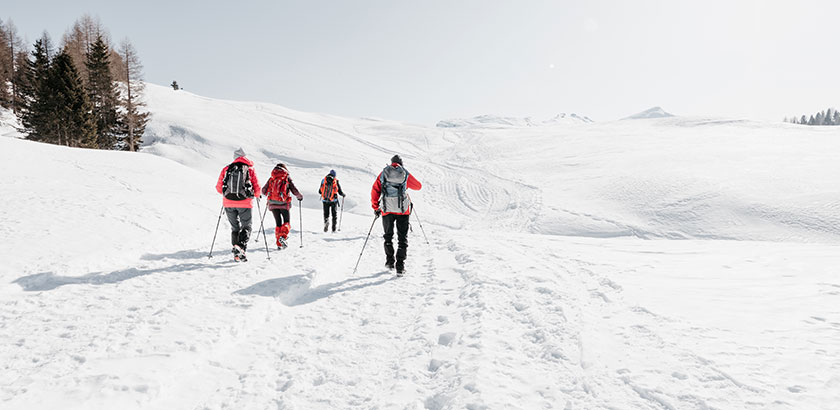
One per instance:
(340, 217)
(365, 245)
(257, 239)
(414, 211)
(210, 255)
(268, 255)
(300, 211)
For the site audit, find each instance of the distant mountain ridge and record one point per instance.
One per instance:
(493, 121)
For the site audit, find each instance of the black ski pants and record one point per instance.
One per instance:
(401, 222)
(331, 207)
(281, 216)
(240, 226)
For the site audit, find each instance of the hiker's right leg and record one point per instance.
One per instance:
(326, 215)
(388, 224)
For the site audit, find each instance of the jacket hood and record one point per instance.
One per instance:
(244, 160)
(279, 172)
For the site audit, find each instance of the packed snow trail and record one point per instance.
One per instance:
(473, 324)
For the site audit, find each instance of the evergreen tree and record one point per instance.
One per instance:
(134, 118)
(836, 117)
(812, 121)
(102, 94)
(803, 120)
(20, 79)
(76, 126)
(37, 113)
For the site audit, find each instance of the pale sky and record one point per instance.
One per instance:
(423, 61)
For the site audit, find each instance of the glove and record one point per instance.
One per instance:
(342, 195)
(300, 198)
(377, 212)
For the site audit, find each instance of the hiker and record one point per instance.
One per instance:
(330, 190)
(277, 191)
(238, 183)
(390, 188)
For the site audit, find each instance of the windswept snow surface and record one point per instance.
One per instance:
(495, 121)
(677, 263)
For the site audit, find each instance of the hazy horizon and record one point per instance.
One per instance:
(426, 62)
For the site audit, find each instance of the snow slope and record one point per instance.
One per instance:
(495, 121)
(673, 263)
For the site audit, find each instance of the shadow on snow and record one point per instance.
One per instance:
(48, 280)
(295, 290)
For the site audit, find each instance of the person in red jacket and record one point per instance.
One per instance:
(277, 191)
(389, 198)
(238, 184)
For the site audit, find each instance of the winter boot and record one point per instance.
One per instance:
(239, 254)
(326, 224)
(278, 235)
(400, 268)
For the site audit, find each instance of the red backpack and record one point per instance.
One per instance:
(278, 186)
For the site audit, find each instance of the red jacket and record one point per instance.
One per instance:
(245, 203)
(376, 192)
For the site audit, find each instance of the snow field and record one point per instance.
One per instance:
(673, 263)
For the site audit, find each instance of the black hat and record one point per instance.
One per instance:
(396, 160)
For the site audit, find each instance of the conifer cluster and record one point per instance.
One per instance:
(85, 94)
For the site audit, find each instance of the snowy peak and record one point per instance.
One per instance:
(655, 112)
(495, 121)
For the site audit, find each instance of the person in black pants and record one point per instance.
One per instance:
(279, 190)
(389, 198)
(330, 190)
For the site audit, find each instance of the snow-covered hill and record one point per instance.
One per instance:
(654, 112)
(671, 263)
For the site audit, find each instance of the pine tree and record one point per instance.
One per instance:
(812, 121)
(102, 94)
(20, 79)
(803, 120)
(134, 118)
(836, 117)
(36, 116)
(76, 125)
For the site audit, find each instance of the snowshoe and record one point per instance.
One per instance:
(281, 244)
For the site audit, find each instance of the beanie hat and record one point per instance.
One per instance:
(396, 160)
(280, 165)
(238, 153)
(332, 172)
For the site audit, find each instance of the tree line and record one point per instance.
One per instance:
(828, 117)
(85, 93)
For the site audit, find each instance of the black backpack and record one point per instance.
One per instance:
(237, 183)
